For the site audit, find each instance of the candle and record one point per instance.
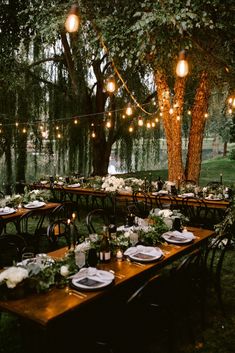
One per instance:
(221, 176)
(119, 255)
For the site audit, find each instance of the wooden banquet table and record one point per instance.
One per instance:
(125, 197)
(44, 308)
(44, 315)
(21, 211)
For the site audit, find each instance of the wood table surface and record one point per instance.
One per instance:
(48, 307)
(21, 211)
(210, 203)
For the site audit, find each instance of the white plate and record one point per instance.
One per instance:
(35, 205)
(174, 239)
(93, 282)
(7, 211)
(144, 253)
(142, 257)
(214, 199)
(74, 185)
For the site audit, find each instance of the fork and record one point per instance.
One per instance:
(119, 275)
(75, 292)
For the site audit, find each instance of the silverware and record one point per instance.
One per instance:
(119, 275)
(70, 291)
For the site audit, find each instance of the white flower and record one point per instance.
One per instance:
(204, 189)
(165, 213)
(64, 271)
(127, 234)
(13, 275)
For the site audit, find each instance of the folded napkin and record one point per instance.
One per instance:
(160, 192)
(94, 273)
(147, 250)
(176, 235)
(187, 194)
(6, 209)
(74, 185)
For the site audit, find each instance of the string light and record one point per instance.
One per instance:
(75, 121)
(148, 125)
(59, 135)
(93, 134)
(140, 121)
(17, 124)
(178, 118)
(109, 113)
(171, 111)
(206, 115)
(131, 128)
(72, 21)
(24, 130)
(153, 124)
(189, 112)
(129, 110)
(110, 85)
(157, 120)
(108, 124)
(182, 65)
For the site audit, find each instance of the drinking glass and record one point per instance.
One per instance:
(80, 258)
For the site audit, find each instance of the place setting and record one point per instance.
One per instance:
(4, 211)
(91, 278)
(34, 204)
(141, 253)
(176, 237)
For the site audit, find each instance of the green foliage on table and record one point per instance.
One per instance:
(153, 235)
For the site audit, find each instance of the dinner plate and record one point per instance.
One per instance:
(35, 204)
(213, 199)
(174, 239)
(6, 211)
(142, 257)
(87, 282)
(144, 253)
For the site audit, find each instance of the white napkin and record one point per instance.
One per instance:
(6, 209)
(188, 194)
(148, 250)
(94, 273)
(160, 192)
(74, 185)
(33, 203)
(185, 235)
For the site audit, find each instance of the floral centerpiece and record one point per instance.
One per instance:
(36, 194)
(112, 183)
(36, 276)
(11, 200)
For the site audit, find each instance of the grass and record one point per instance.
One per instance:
(210, 171)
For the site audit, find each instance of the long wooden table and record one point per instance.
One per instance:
(125, 197)
(44, 308)
(46, 317)
(21, 211)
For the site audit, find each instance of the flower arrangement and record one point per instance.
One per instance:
(11, 201)
(36, 194)
(37, 276)
(152, 236)
(112, 183)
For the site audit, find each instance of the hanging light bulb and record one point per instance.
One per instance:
(129, 110)
(59, 136)
(171, 111)
(157, 120)
(178, 118)
(93, 134)
(140, 121)
(131, 128)
(17, 124)
(72, 21)
(110, 85)
(153, 124)
(206, 115)
(148, 125)
(75, 121)
(24, 130)
(182, 65)
(108, 124)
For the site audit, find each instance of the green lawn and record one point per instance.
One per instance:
(210, 171)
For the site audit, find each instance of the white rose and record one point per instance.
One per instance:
(13, 275)
(64, 271)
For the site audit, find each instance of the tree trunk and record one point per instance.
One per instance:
(225, 149)
(172, 125)
(200, 107)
